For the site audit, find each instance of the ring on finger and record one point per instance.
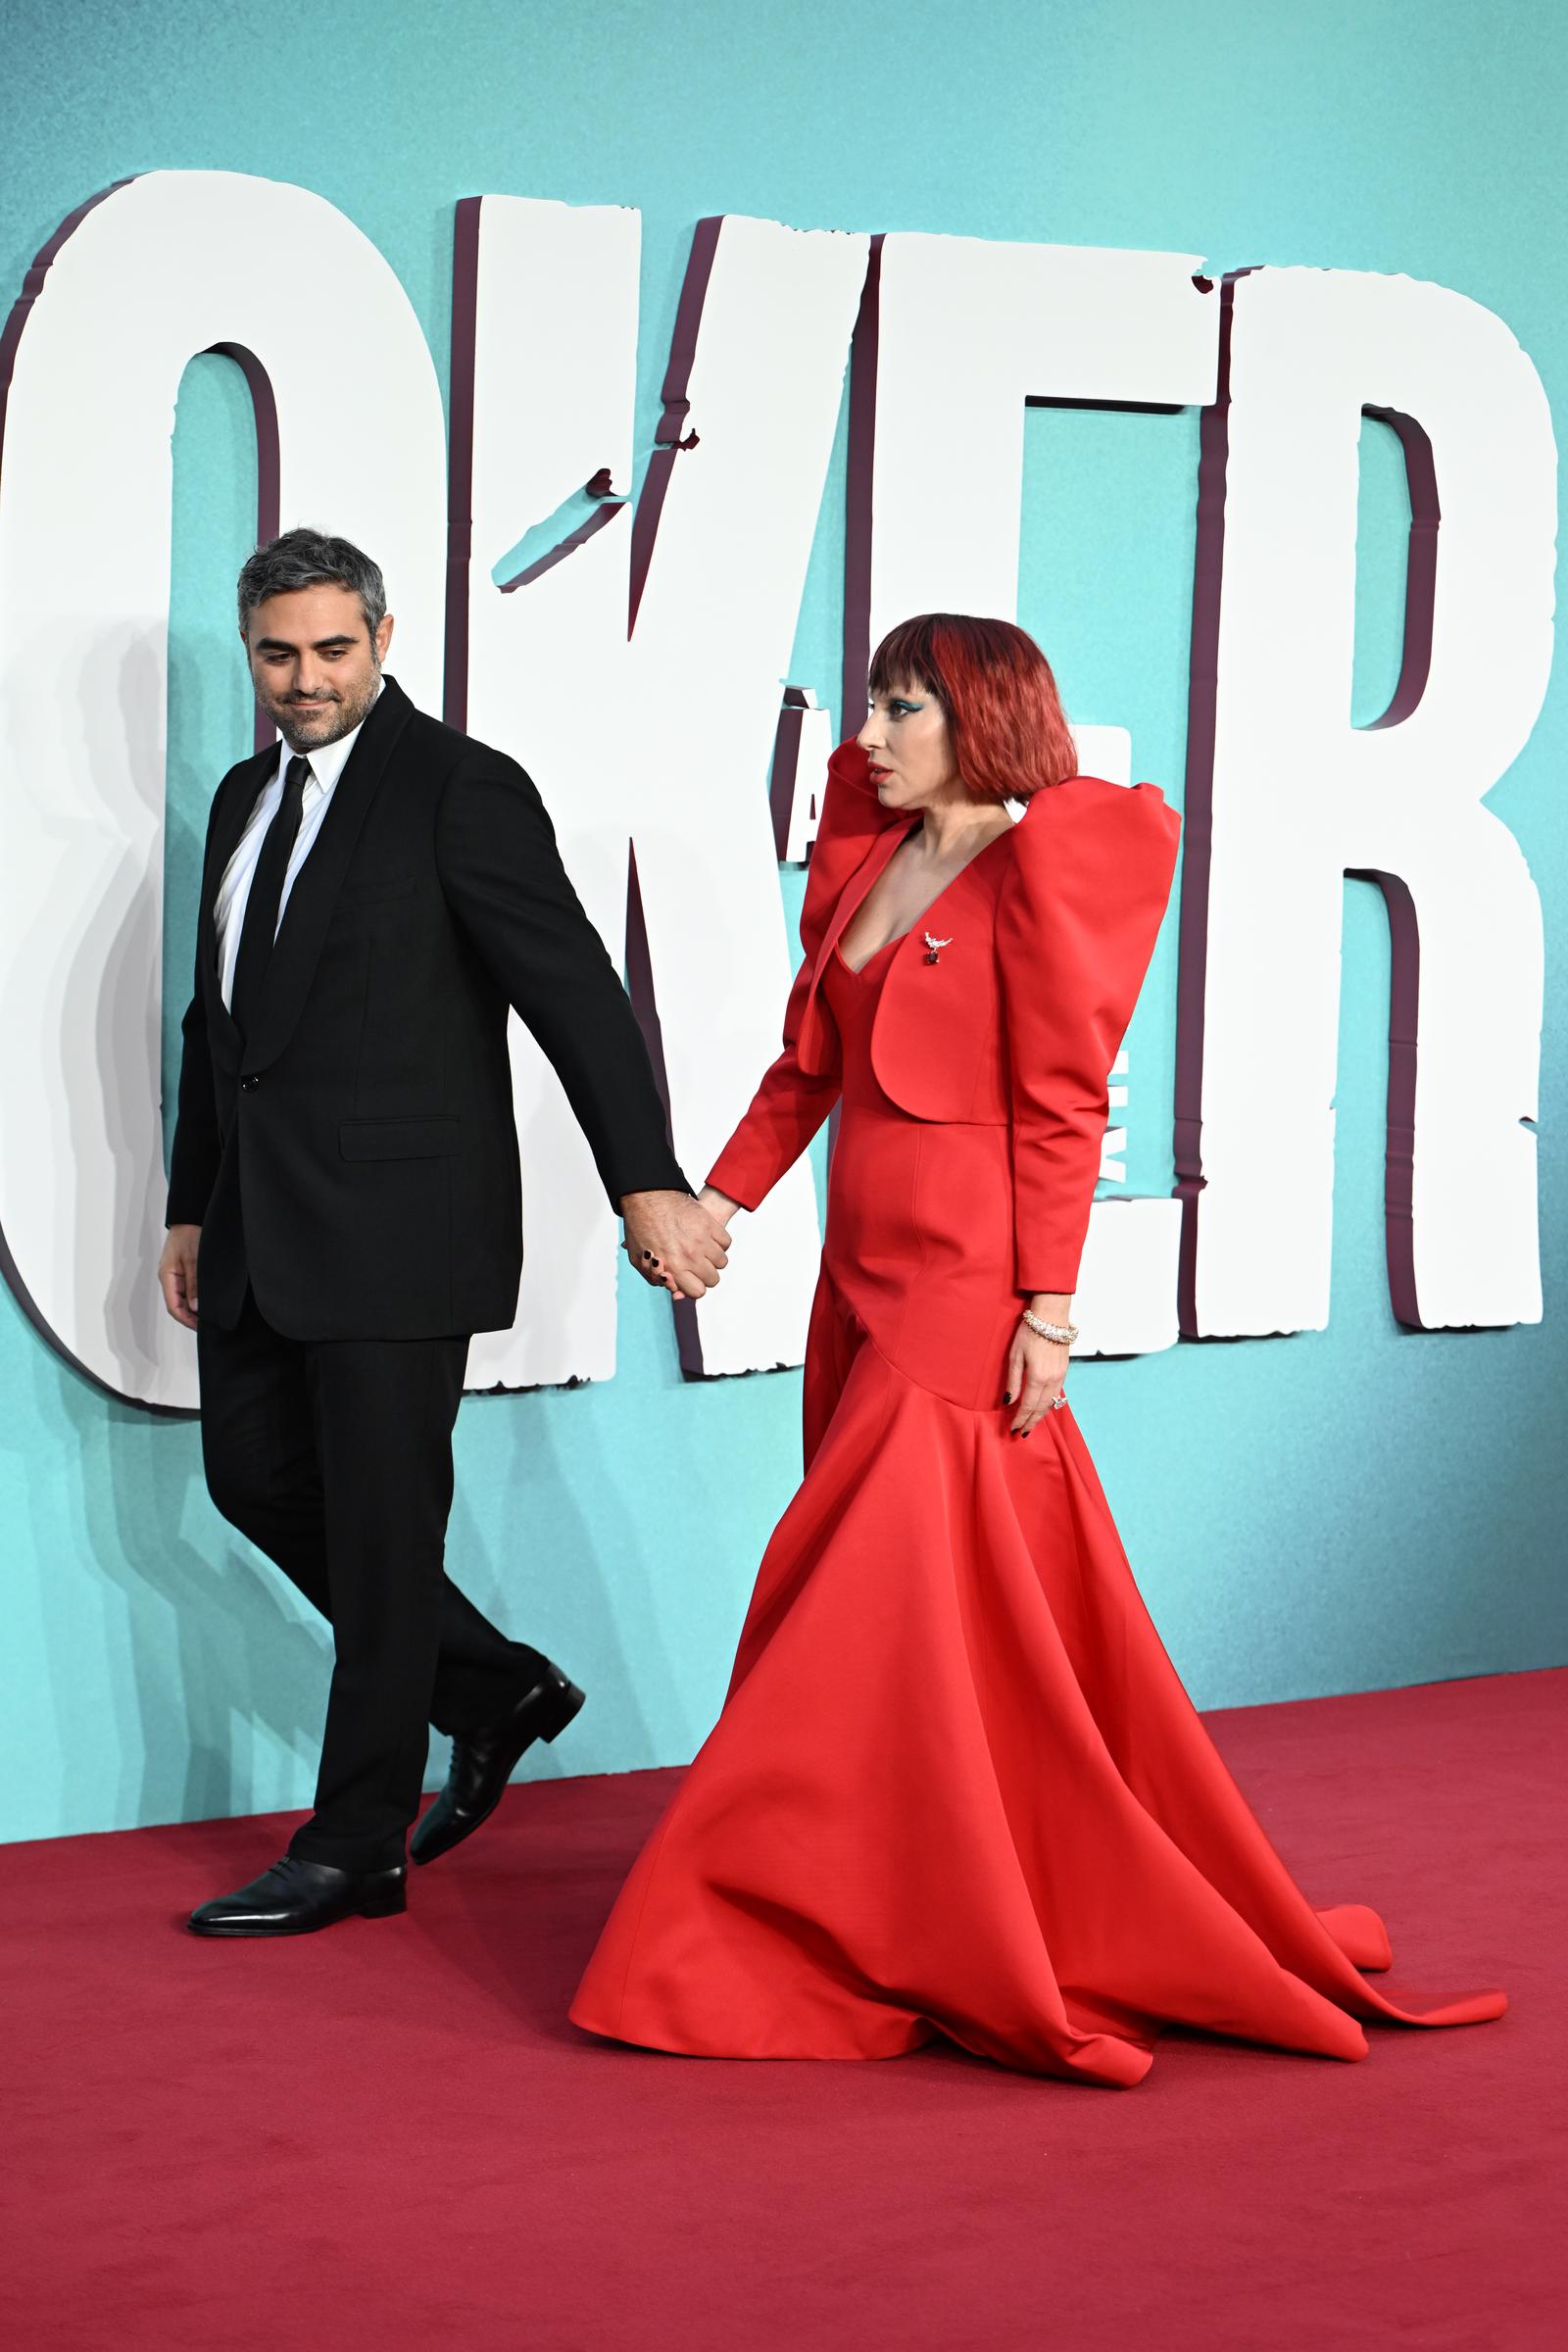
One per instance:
(1056, 1402)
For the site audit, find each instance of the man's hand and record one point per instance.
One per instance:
(176, 1273)
(675, 1241)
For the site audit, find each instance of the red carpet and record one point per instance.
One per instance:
(388, 2136)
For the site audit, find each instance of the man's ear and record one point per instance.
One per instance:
(383, 636)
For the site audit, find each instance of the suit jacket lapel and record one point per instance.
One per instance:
(229, 821)
(312, 898)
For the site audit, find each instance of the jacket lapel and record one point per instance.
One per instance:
(858, 889)
(851, 897)
(311, 902)
(229, 821)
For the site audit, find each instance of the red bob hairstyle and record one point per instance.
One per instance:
(1004, 714)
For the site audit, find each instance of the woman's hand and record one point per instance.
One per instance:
(675, 1244)
(1037, 1369)
(714, 1249)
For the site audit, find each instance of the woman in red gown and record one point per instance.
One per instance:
(956, 1788)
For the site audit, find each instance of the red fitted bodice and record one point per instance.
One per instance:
(919, 1244)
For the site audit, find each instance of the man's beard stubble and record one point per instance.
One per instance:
(313, 733)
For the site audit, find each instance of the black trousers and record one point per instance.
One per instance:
(335, 1458)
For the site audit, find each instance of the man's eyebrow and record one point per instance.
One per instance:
(318, 645)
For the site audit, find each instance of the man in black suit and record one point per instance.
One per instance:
(345, 1204)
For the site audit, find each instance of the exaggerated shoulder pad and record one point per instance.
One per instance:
(850, 805)
(1087, 836)
(852, 817)
(1078, 917)
(1076, 924)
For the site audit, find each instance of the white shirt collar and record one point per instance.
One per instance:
(328, 763)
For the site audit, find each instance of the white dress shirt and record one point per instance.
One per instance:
(235, 889)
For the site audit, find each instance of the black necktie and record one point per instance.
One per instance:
(267, 895)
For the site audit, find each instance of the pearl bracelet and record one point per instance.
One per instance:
(1063, 1334)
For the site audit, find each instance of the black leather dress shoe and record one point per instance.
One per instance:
(296, 1897)
(483, 1762)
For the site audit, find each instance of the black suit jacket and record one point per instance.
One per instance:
(355, 1158)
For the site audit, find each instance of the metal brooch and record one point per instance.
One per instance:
(933, 948)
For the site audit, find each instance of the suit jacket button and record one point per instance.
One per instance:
(248, 1086)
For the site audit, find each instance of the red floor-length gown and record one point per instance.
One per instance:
(956, 1788)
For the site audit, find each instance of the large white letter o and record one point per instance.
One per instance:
(351, 438)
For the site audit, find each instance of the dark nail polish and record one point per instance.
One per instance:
(1007, 1396)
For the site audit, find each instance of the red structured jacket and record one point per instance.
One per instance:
(1017, 1025)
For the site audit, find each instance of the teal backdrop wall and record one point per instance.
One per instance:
(1334, 1512)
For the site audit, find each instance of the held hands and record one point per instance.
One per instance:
(1036, 1368)
(717, 1204)
(675, 1243)
(176, 1273)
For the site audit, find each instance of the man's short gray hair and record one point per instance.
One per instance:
(303, 559)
